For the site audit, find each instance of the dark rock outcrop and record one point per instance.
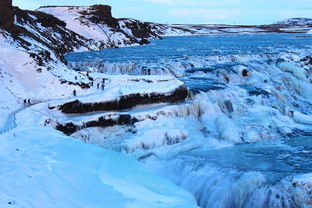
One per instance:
(144, 42)
(101, 14)
(81, 85)
(6, 14)
(125, 102)
(140, 29)
(307, 60)
(104, 121)
(44, 35)
(253, 91)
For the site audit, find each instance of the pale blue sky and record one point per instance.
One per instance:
(195, 11)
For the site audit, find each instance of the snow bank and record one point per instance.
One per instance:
(141, 185)
(117, 86)
(44, 162)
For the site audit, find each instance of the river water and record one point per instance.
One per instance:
(254, 93)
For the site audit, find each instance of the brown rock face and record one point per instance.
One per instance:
(122, 119)
(103, 11)
(6, 13)
(101, 14)
(125, 102)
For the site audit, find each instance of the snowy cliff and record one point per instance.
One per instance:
(97, 24)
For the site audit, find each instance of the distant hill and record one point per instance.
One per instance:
(296, 22)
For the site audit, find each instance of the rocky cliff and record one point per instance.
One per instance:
(6, 14)
(97, 23)
(44, 36)
(50, 32)
(101, 14)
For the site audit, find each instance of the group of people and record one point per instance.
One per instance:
(98, 85)
(27, 101)
(102, 84)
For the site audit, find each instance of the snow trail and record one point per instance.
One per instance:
(10, 122)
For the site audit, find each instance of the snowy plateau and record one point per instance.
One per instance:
(188, 116)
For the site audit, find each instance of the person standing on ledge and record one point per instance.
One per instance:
(74, 93)
(103, 84)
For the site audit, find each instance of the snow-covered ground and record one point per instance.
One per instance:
(21, 80)
(41, 167)
(116, 86)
